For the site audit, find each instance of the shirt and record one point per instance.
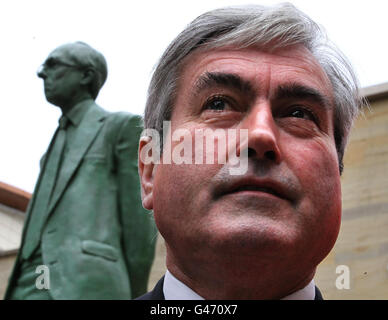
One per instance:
(173, 289)
(75, 116)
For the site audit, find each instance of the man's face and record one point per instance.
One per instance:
(61, 77)
(285, 210)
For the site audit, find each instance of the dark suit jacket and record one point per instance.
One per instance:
(157, 292)
(97, 240)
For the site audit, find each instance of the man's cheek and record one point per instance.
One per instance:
(321, 180)
(316, 166)
(172, 183)
(316, 158)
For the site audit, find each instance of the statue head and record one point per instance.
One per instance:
(73, 72)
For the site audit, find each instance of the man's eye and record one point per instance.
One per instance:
(51, 63)
(302, 113)
(216, 104)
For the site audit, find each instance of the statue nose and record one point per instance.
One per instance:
(41, 73)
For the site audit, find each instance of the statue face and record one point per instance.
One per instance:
(61, 77)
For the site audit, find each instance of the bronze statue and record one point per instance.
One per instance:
(85, 222)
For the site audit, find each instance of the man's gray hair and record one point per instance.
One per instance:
(85, 56)
(267, 28)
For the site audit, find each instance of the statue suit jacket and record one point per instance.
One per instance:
(97, 241)
(157, 293)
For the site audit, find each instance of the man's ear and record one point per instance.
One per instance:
(88, 76)
(146, 174)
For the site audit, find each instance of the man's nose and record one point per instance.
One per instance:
(41, 73)
(262, 142)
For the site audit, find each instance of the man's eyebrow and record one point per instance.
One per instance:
(298, 91)
(220, 79)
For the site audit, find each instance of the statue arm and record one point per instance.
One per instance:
(138, 228)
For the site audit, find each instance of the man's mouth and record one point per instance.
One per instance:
(257, 189)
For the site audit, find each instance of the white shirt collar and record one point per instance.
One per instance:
(173, 289)
(306, 293)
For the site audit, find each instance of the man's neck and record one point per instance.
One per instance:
(66, 107)
(251, 282)
(174, 289)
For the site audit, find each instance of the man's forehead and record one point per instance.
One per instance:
(62, 52)
(295, 55)
(68, 51)
(294, 62)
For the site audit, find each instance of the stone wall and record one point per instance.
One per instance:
(6, 265)
(362, 245)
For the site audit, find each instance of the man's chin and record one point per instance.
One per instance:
(52, 100)
(253, 208)
(253, 234)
